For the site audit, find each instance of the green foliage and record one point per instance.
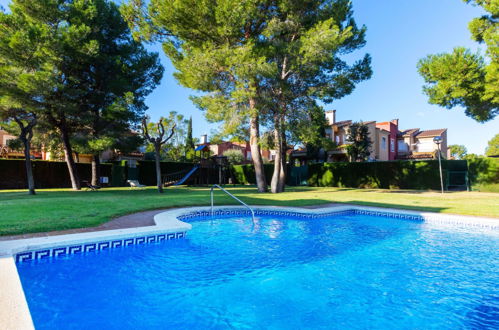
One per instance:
(386, 175)
(310, 130)
(255, 58)
(458, 151)
(234, 156)
(463, 78)
(482, 170)
(75, 65)
(175, 148)
(493, 146)
(360, 142)
(189, 141)
(47, 174)
(245, 174)
(15, 144)
(487, 187)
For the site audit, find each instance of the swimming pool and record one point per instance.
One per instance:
(348, 270)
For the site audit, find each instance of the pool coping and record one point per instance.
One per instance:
(14, 310)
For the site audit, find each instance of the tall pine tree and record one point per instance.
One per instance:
(466, 79)
(260, 61)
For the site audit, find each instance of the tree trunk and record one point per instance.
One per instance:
(95, 170)
(279, 176)
(256, 155)
(284, 167)
(68, 155)
(157, 147)
(29, 169)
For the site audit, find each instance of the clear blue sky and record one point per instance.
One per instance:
(399, 33)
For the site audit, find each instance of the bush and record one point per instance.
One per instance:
(483, 171)
(234, 156)
(245, 174)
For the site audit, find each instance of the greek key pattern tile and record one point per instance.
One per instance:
(452, 220)
(98, 246)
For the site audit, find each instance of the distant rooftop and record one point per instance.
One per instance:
(431, 132)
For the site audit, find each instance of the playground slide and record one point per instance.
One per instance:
(194, 169)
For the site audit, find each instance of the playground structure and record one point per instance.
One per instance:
(206, 170)
(214, 170)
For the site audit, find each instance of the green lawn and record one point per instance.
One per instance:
(65, 209)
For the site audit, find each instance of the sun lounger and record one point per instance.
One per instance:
(135, 184)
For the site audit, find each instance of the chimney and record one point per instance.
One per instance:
(395, 122)
(204, 138)
(331, 116)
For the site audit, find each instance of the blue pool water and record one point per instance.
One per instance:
(340, 272)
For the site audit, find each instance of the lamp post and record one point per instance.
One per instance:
(438, 141)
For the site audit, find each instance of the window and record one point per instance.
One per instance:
(403, 147)
(337, 139)
(392, 145)
(383, 142)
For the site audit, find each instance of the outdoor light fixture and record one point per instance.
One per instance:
(438, 141)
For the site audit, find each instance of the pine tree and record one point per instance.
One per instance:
(360, 143)
(260, 61)
(466, 79)
(86, 76)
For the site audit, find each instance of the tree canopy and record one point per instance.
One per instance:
(493, 146)
(75, 63)
(458, 151)
(360, 142)
(464, 78)
(259, 62)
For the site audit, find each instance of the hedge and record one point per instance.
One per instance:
(483, 170)
(47, 174)
(384, 175)
(50, 174)
(245, 174)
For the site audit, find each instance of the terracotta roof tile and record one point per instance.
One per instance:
(431, 132)
(342, 123)
(407, 132)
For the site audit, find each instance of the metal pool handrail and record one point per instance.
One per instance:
(237, 199)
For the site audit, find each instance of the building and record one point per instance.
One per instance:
(220, 148)
(416, 144)
(5, 151)
(388, 142)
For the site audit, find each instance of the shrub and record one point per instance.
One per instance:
(234, 156)
(245, 174)
(483, 171)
